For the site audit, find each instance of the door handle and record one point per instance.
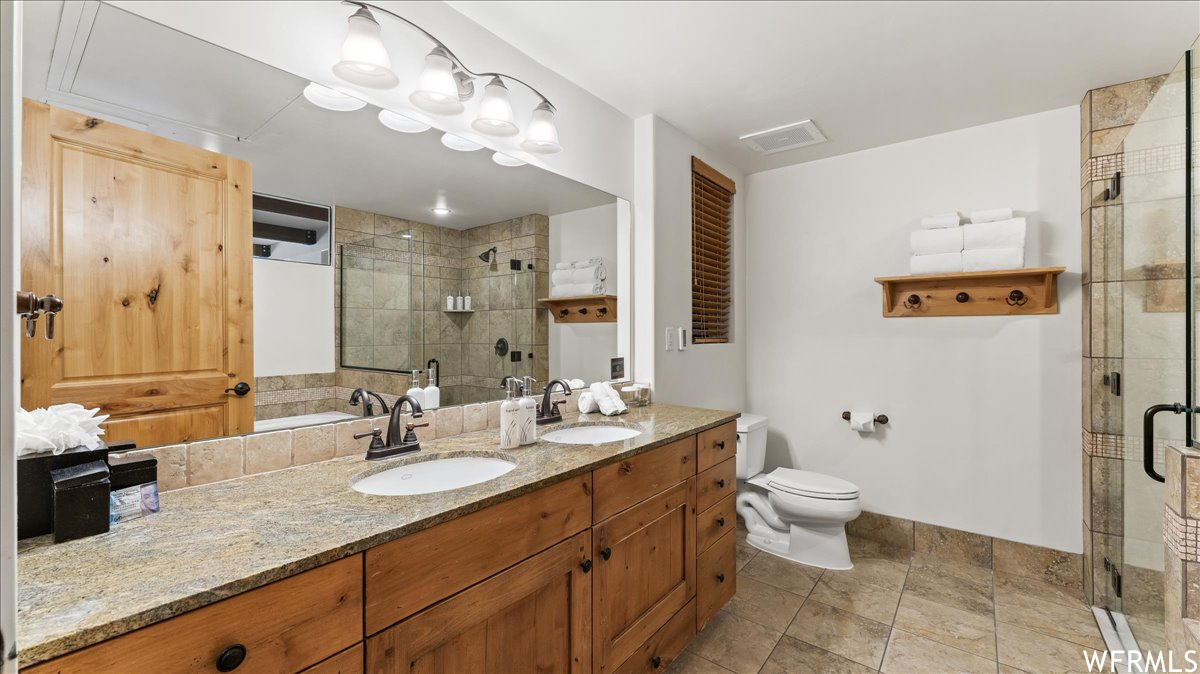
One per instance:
(239, 389)
(1148, 435)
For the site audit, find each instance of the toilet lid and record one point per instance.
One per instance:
(807, 483)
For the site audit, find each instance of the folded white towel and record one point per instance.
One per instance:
(564, 265)
(999, 234)
(993, 259)
(940, 221)
(934, 241)
(942, 263)
(562, 277)
(58, 428)
(576, 384)
(587, 404)
(580, 264)
(607, 399)
(991, 215)
(577, 289)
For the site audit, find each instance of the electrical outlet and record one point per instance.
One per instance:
(670, 339)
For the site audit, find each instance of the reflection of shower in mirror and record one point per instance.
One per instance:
(488, 255)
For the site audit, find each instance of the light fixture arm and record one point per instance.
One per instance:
(458, 62)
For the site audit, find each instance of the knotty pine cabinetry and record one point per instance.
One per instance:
(611, 571)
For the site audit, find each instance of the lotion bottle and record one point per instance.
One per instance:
(528, 412)
(449, 301)
(458, 302)
(416, 392)
(433, 394)
(510, 418)
(467, 301)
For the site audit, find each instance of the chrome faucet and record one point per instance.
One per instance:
(395, 443)
(548, 411)
(363, 395)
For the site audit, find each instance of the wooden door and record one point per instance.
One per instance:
(148, 243)
(645, 571)
(534, 617)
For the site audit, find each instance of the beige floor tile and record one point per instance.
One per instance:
(864, 547)
(841, 632)
(1005, 669)
(781, 573)
(911, 654)
(766, 605)
(792, 656)
(875, 571)
(1150, 634)
(869, 601)
(1008, 584)
(1035, 652)
(689, 663)
(964, 630)
(745, 553)
(735, 643)
(943, 566)
(936, 584)
(1077, 625)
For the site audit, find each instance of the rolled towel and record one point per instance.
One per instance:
(999, 234)
(940, 221)
(607, 399)
(993, 259)
(564, 277)
(934, 241)
(564, 265)
(942, 263)
(586, 403)
(991, 215)
(576, 289)
(576, 384)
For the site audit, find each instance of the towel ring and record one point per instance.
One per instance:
(879, 419)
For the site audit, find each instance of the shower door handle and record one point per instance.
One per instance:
(1148, 436)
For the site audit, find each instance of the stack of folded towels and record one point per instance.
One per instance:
(581, 277)
(992, 240)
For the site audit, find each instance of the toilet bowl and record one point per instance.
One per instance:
(795, 514)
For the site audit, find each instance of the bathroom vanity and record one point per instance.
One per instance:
(603, 558)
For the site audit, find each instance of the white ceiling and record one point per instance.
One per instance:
(868, 73)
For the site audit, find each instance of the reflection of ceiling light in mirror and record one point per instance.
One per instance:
(406, 236)
(440, 210)
(398, 122)
(506, 160)
(542, 136)
(365, 59)
(331, 99)
(437, 90)
(495, 111)
(458, 143)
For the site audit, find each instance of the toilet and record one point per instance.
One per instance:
(795, 514)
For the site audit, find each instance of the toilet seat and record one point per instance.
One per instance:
(809, 484)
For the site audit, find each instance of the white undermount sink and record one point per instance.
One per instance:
(433, 475)
(591, 435)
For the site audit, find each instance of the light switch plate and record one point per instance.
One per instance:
(670, 339)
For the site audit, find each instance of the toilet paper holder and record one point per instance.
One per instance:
(879, 419)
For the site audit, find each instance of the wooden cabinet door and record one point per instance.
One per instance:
(534, 617)
(645, 569)
(148, 243)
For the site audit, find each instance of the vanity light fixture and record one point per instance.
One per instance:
(331, 99)
(459, 143)
(440, 211)
(444, 84)
(506, 160)
(397, 122)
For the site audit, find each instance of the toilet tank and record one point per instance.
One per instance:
(751, 445)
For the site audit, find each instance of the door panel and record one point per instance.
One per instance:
(148, 243)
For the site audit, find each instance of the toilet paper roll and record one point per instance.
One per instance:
(863, 422)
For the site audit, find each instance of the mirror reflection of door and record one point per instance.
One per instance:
(148, 243)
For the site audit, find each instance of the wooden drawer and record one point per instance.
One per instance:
(624, 483)
(715, 445)
(716, 578)
(409, 574)
(715, 522)
(660, 650)
(349, 661)
(284, 627)
(715, 484)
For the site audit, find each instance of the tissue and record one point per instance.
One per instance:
(863, 422)
(58, 428)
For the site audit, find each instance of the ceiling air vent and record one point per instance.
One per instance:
(790, 137)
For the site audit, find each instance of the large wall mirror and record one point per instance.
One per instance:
(361, 242)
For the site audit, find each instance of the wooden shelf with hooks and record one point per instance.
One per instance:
(582, 308)
(980, 293)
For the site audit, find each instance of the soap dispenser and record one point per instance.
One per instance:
(528, 412)
(467, 301)
(416, 392)
(433, 394)
(458, 302)
(449, 300)
(510, 417)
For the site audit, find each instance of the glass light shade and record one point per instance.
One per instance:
(331, 99)
(459, 143)
(398, 122)
(365, 60)
(542, 136)
(437, 90)
(440, 210)
(495, 111)
(506, 160)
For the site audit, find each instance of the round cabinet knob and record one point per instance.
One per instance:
(720, 521)
(606, 553)
(962, 298)
(656, 662)
(721, 484)
(720, 578)
(720, 445)
(586, 565)
(239, 389)
(231, 658)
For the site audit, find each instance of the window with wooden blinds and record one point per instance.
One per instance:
(712, 243)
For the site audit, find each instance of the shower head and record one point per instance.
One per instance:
(488, 254)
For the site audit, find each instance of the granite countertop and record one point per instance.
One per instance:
(214, 541)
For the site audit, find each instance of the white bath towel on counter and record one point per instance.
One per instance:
(934, 241)
(940, 221)
(586, 403)
(991, 215)
(942, 263)
(578, 275)
(993, 259)
(577, 289)
(607, 399)
(999, 234)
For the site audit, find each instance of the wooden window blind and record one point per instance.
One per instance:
(712, 242)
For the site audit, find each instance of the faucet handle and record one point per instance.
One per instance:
(376, 437)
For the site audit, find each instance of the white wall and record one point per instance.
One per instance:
(985, 411)
(293, 318)
(10, 351)
(584, 350)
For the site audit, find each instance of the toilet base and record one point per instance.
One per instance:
(823, 547)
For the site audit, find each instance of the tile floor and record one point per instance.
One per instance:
(895, 612)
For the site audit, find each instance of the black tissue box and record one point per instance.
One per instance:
(80, 500)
